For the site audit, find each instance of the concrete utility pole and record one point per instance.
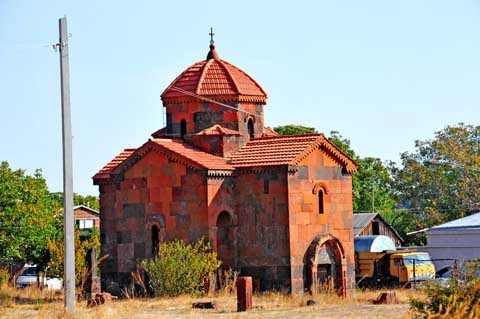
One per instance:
(68, 228)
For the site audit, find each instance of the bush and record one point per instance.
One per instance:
(181, 268)
(460, 298)
(4, 277)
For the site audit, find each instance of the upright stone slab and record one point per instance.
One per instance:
(244, 293)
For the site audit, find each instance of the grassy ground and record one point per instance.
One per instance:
(31, 303)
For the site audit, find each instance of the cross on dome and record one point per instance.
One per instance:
(211, 34)
(212, 54)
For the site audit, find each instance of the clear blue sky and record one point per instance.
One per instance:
(382, 73)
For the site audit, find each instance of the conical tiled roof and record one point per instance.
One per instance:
(214, 78)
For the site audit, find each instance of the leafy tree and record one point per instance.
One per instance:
(88, 200)
(371, 174)
(294, 129)
(439, 181)
(82, 246)
(28, 216)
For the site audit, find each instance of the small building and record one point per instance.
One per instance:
(368, 224)
(86, 218)
(454, 242)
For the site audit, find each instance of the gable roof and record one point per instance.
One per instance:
(217, 129)
(268, 131)
(287, 150)
(174, 149)
(362, 220)
(105, 171)
(186, 154)
(91, 210)
(468, 222)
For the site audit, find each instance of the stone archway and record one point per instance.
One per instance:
(226, 239)
(325, 266)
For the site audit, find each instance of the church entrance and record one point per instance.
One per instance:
(325, 270)
(226, 240)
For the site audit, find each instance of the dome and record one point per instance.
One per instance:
(216, 79)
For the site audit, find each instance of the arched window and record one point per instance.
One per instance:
(250, 128)
(183, 128)
(155, 239)
(321, 206)
(320, 190)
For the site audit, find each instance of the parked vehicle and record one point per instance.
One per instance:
(389, 267)
(31, 276)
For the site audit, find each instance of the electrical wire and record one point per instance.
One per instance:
(211, 100)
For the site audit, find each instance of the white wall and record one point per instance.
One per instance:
(460, 244)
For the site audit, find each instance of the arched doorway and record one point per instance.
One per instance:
(325, 266)
(226, 240)
(155, 239)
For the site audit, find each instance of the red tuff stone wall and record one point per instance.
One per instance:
(154, 191)
(310, 230)
(219, 145)
(202, 115)
(263, 242)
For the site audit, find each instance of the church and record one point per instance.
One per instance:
(277, 208)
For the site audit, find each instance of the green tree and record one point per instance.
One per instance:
(294, 129)
(28, 216)
(439, 181)
(371, 174)
(88, 200)
(83, 244)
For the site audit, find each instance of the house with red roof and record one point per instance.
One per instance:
(277, 208)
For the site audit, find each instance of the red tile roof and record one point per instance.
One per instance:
(159, 133)
(105, 171)
(189, 155)
(217, 129)
(268, 132)
(174, 149)
(214, 78)
(286, 150)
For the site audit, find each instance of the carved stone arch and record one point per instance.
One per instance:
(325, 265)
(320, 189)
(155, 234)
(320, 186)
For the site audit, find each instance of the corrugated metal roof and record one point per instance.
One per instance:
(469, 222)
(361, 220)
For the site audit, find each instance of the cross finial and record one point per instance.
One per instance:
(211, 36)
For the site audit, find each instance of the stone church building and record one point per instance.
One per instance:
(277, 208)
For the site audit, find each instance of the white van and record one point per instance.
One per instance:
(30, 277)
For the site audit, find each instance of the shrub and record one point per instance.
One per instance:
(180, 268)
(4, 277)
(459, 298)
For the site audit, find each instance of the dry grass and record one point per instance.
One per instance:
(42, 304)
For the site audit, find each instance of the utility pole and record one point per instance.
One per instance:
(68, 228)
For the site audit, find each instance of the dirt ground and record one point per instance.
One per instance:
(273, 305)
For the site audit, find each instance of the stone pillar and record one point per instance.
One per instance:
(244, 293)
